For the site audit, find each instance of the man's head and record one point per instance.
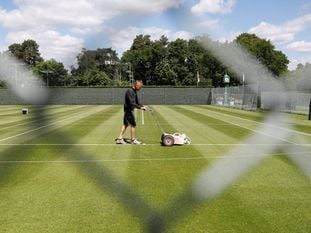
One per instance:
(138, 85)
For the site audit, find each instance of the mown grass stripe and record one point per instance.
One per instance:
(250, 115)
(157, 144)
(45, 124)
(259, 132)
(80, 128)
(92, 189)
(149, 159)
(254, 121)
(137, 174)
(199, 132)
(52, 153)
(231, 130)
(21, 120)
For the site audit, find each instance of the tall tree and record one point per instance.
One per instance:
(265, 51)
(212, 69)
(158, 56)
(52, 72)
(28, 52)
(93, 77)
(182, 61)
(164, 74)
(102, 59)
(299, 79)
(17, 50)
(139, 57)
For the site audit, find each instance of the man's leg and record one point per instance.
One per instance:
(124, 126)
(133, 139)
(120, 139)
(132, 122)
(122, 132)
(132, 133)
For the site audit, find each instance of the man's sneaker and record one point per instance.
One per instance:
(135, 141)
(120, 141)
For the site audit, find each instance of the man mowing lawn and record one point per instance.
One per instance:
(131, 102)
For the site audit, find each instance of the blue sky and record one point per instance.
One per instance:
(63, 28)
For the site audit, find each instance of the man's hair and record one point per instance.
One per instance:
(138, 84)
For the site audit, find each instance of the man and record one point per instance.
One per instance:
(131, 102)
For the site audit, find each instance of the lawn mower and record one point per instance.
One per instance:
(175, 139)
(168, 139)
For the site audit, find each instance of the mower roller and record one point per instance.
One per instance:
(168, 139)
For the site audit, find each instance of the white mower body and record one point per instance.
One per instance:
(175, 139)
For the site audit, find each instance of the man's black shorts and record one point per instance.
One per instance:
(129, 119)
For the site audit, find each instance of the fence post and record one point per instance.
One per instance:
(310, 110)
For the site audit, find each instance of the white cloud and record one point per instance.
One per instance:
(123, 39)
(209, 24)
(3, 48)
(274, 33)
(181, 35)
(35, 13)
(77, 13)
(230, 37)
(43, 20)
(86, 30)
(143, 6)
(155, 32)
(299, 46)
(283, 33)
(306, 8)
(302, 60)
(51, 44)
(213, 6)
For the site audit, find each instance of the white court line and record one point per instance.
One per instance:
(140, 160)
(258, 122)
(29, 122)
(256, 131)
(158, 144)
(53, 123)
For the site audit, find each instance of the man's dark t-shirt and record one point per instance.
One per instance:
(131, 100)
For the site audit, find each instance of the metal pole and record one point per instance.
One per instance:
(243, 80)
(226, 80)
(15, 75)
(226, 96)
(310, 110)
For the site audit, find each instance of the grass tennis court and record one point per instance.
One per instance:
(66, 174)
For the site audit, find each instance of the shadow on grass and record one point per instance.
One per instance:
(97, 173)
(152, 220)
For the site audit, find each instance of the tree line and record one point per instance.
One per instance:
(156, 62)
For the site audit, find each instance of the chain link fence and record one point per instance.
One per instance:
(242, 97)
(213, 180)
(116, 96)
(292, 102)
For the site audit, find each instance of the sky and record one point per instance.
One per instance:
(63, 28)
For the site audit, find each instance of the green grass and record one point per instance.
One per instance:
(62, 172)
